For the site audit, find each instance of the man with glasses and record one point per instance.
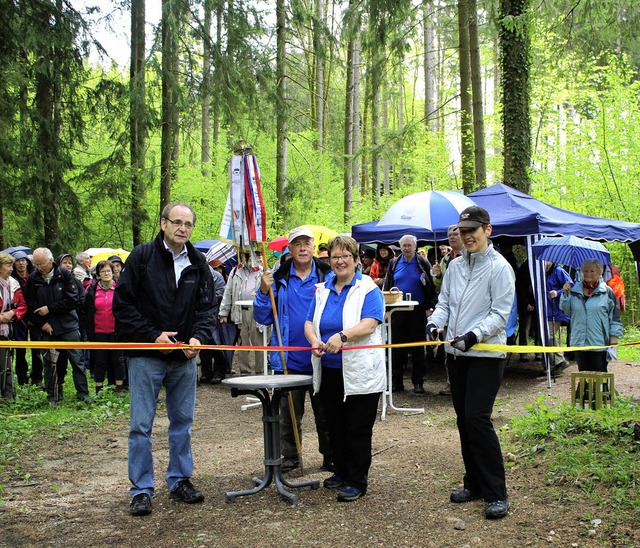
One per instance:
(294, 285)
(165, 294)
(410, 273)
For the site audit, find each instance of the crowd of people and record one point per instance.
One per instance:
(326, 298)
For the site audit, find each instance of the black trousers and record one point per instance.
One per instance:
(474, 385)
(22, 367)
(287, 435)
(592, 360)
(350, 425)
(108, 362)
(213, 364)
(407, 327)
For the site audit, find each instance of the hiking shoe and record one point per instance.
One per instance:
(497, 509)
(463, 495)
(418, 389)
(140, 505)
(333, 482)
(349, 494)
(186, 492)
(217, 378)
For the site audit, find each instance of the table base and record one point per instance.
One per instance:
(272, 460)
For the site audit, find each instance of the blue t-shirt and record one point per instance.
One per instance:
(300, 294)
(331, 319)
(406, 277)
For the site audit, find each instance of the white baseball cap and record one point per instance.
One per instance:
(298, 232)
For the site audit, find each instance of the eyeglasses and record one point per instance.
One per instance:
(343, 257)
(179, 224)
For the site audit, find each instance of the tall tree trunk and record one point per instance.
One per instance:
(357, 158)
(318, 48)
(397, 171)
(384, 123)
(466, 127)
(429, 64)
(170, 114)
(137, 117)
(281, 108)
(497, 83)
(217, 62)
(375, 138)
(348, 132)
(516, 122)
(205, 146)
(365, 180)
(478, 104)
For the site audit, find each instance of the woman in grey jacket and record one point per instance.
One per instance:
(475, 301)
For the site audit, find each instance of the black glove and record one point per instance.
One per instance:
(432, 331)
(464, 342)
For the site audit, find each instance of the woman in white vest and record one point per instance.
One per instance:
(348, 310)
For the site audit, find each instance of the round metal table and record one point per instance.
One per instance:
(259, 386)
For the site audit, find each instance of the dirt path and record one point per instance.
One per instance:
(77, 488)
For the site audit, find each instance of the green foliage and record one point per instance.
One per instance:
(630, 334)
(597, 451)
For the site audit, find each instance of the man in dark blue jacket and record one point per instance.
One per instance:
(294, 285)
(52, 298)
(165, 294)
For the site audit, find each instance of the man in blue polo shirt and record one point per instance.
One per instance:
(294, 288)
(410, 273)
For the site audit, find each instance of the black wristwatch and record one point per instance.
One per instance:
(343, 337)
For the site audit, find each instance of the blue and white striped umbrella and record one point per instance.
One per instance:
(433, 210)
(221, 251)
(570, 251)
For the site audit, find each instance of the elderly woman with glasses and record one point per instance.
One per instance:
(101, 327)
(13, 307)
(348, 310)
(595, 316)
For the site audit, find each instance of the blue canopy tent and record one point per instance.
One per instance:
(517, 215)
(520, 217)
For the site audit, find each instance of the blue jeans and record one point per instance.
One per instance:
(146, 377)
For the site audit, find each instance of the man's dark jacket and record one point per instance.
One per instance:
(60, 295)
(147, 301)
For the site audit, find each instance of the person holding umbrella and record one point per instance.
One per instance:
(595, 316)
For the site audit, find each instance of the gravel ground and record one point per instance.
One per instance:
(77, 491)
